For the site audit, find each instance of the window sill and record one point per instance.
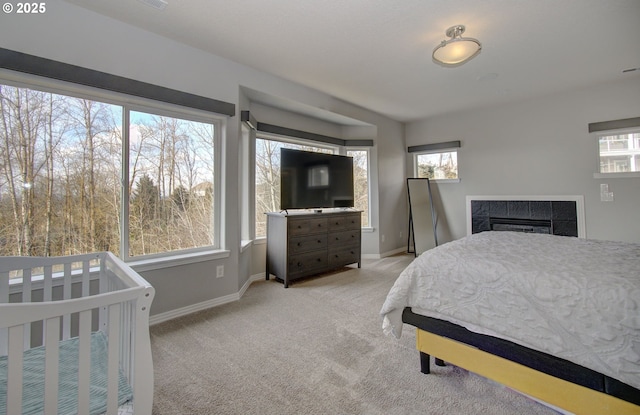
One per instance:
(177, 260)
(616, 175)
(245, 244)
(445, 180)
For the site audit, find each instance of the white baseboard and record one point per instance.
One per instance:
(384, 254)
(170, 315)
(253, 278)
(179, 312)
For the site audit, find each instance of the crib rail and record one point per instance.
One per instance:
(46, 300)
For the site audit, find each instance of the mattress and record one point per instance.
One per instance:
(573, 298)
(33, 379)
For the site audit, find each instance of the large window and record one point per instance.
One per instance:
(62, 163)
(267, 178)
(619, 152)
(171, 184)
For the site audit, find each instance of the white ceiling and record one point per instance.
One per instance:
(377, 53)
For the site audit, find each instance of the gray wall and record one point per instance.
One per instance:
(539, 147)
(73, 35)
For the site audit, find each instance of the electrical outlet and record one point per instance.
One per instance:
(382, 237)
(220, 271)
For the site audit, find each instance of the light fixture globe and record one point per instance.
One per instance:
(457, 50)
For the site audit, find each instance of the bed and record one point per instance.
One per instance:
(554, 317)
(74, 336)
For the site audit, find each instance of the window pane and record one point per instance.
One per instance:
(59, 174)
(361, 182)
(438, 165)
(619, 153)
(171, 177)
(268, 178)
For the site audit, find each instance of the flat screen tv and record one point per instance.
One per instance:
(311, 180)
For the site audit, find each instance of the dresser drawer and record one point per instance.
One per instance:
(307, 226)
(342, 257)
(340, 223)
(344, 238)
(307, 243)
(305, 264)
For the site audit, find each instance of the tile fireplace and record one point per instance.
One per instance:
(557, 215)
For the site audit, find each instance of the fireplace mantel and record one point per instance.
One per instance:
(566, 211)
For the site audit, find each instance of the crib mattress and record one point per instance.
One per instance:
(33, 379)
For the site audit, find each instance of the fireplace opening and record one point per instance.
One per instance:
(521, 225)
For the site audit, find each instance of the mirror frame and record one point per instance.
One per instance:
(422, 216)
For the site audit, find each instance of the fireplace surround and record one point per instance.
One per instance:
(557, 215)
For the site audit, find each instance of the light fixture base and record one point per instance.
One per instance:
(456, 30)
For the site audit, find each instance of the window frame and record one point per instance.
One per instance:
(282, 139)
(367, 150)
(597, 135)
(133, 103)
(438, 151)
(246, 179)
(337, 149)
(188, 115)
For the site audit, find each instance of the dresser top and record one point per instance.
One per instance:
(311, 212)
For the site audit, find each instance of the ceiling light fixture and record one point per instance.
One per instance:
(457, 50)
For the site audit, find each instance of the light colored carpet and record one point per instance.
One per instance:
(314, 348)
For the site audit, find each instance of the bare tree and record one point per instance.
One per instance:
(60, 184)
(23, 124)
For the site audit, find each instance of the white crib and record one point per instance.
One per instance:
(74, 336)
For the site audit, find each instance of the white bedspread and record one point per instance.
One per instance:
(573, 298)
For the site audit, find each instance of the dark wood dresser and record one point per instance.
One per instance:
(304, 244)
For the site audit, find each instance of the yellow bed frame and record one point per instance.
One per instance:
(560, 393)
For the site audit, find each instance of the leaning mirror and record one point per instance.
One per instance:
(422, 223)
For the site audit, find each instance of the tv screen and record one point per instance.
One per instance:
(311, 180)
